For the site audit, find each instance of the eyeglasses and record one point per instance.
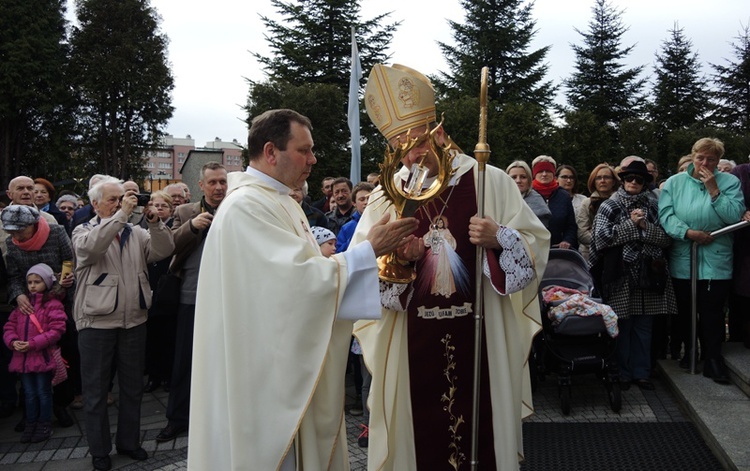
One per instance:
(603, 177)
(566, 177)
(634, 178)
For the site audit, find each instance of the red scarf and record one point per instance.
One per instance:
(36, 241)
(545, 189)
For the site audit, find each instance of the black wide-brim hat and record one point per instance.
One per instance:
(636, 167)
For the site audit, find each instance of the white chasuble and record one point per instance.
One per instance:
(269, 355)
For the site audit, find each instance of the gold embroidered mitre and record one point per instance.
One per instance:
(398, 98)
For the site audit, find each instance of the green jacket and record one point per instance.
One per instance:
(685, 204)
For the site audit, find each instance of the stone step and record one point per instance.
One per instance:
(720, 412)
(737, 359)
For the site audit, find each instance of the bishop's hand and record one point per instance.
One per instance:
(411, 251)
(385, 237)
(483, 232)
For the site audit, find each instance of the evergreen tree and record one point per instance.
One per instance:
(496, 34)
(585, 142)
(601, 84)
(124, 82)
(514, 131)
(313, 43)
(35, 103)
(732, 81)
(680, 93)
(638, 136)
(309, 70)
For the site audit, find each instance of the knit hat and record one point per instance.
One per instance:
(17, 217)
(543, 165)
(322, 235)
(44, 272)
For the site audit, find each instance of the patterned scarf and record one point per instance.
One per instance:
(36, 241)
(614, 212)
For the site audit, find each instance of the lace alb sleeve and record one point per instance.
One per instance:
(390, 295)
(514, 262)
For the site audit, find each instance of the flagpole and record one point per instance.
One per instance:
(355, 173)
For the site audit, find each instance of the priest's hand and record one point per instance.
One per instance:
(385, 237)
(483, 232)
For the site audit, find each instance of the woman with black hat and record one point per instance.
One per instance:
(637, 285)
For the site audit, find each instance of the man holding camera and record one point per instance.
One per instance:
(190, 227)
(111, 308)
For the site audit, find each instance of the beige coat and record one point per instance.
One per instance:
(186, 239)
(113, 290)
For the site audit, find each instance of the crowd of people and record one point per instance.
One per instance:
(636, 232)
(119, 288)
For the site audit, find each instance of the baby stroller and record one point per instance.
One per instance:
(576, 344)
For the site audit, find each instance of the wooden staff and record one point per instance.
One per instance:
(482, 154)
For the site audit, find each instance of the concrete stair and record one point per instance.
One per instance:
(737, 359)
(720, 412)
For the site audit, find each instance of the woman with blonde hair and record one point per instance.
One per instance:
(520, 172)
(692, 205)
(602, 183)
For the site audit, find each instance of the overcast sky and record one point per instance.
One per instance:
(210, 43)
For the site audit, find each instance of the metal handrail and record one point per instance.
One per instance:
(694, 290)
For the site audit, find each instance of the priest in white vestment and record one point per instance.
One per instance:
(421, 352)
(273, 317)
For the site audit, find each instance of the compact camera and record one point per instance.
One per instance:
(143, 199)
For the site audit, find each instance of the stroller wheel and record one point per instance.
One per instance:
(565, 399)
(615, 397)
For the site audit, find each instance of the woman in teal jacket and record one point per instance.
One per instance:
(691, 206)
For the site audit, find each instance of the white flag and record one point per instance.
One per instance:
(356, 165)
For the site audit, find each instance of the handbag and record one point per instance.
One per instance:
(652, 276)
(609, 268)
(61, 365)
(167, 291)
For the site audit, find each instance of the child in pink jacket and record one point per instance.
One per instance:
(31, 338)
